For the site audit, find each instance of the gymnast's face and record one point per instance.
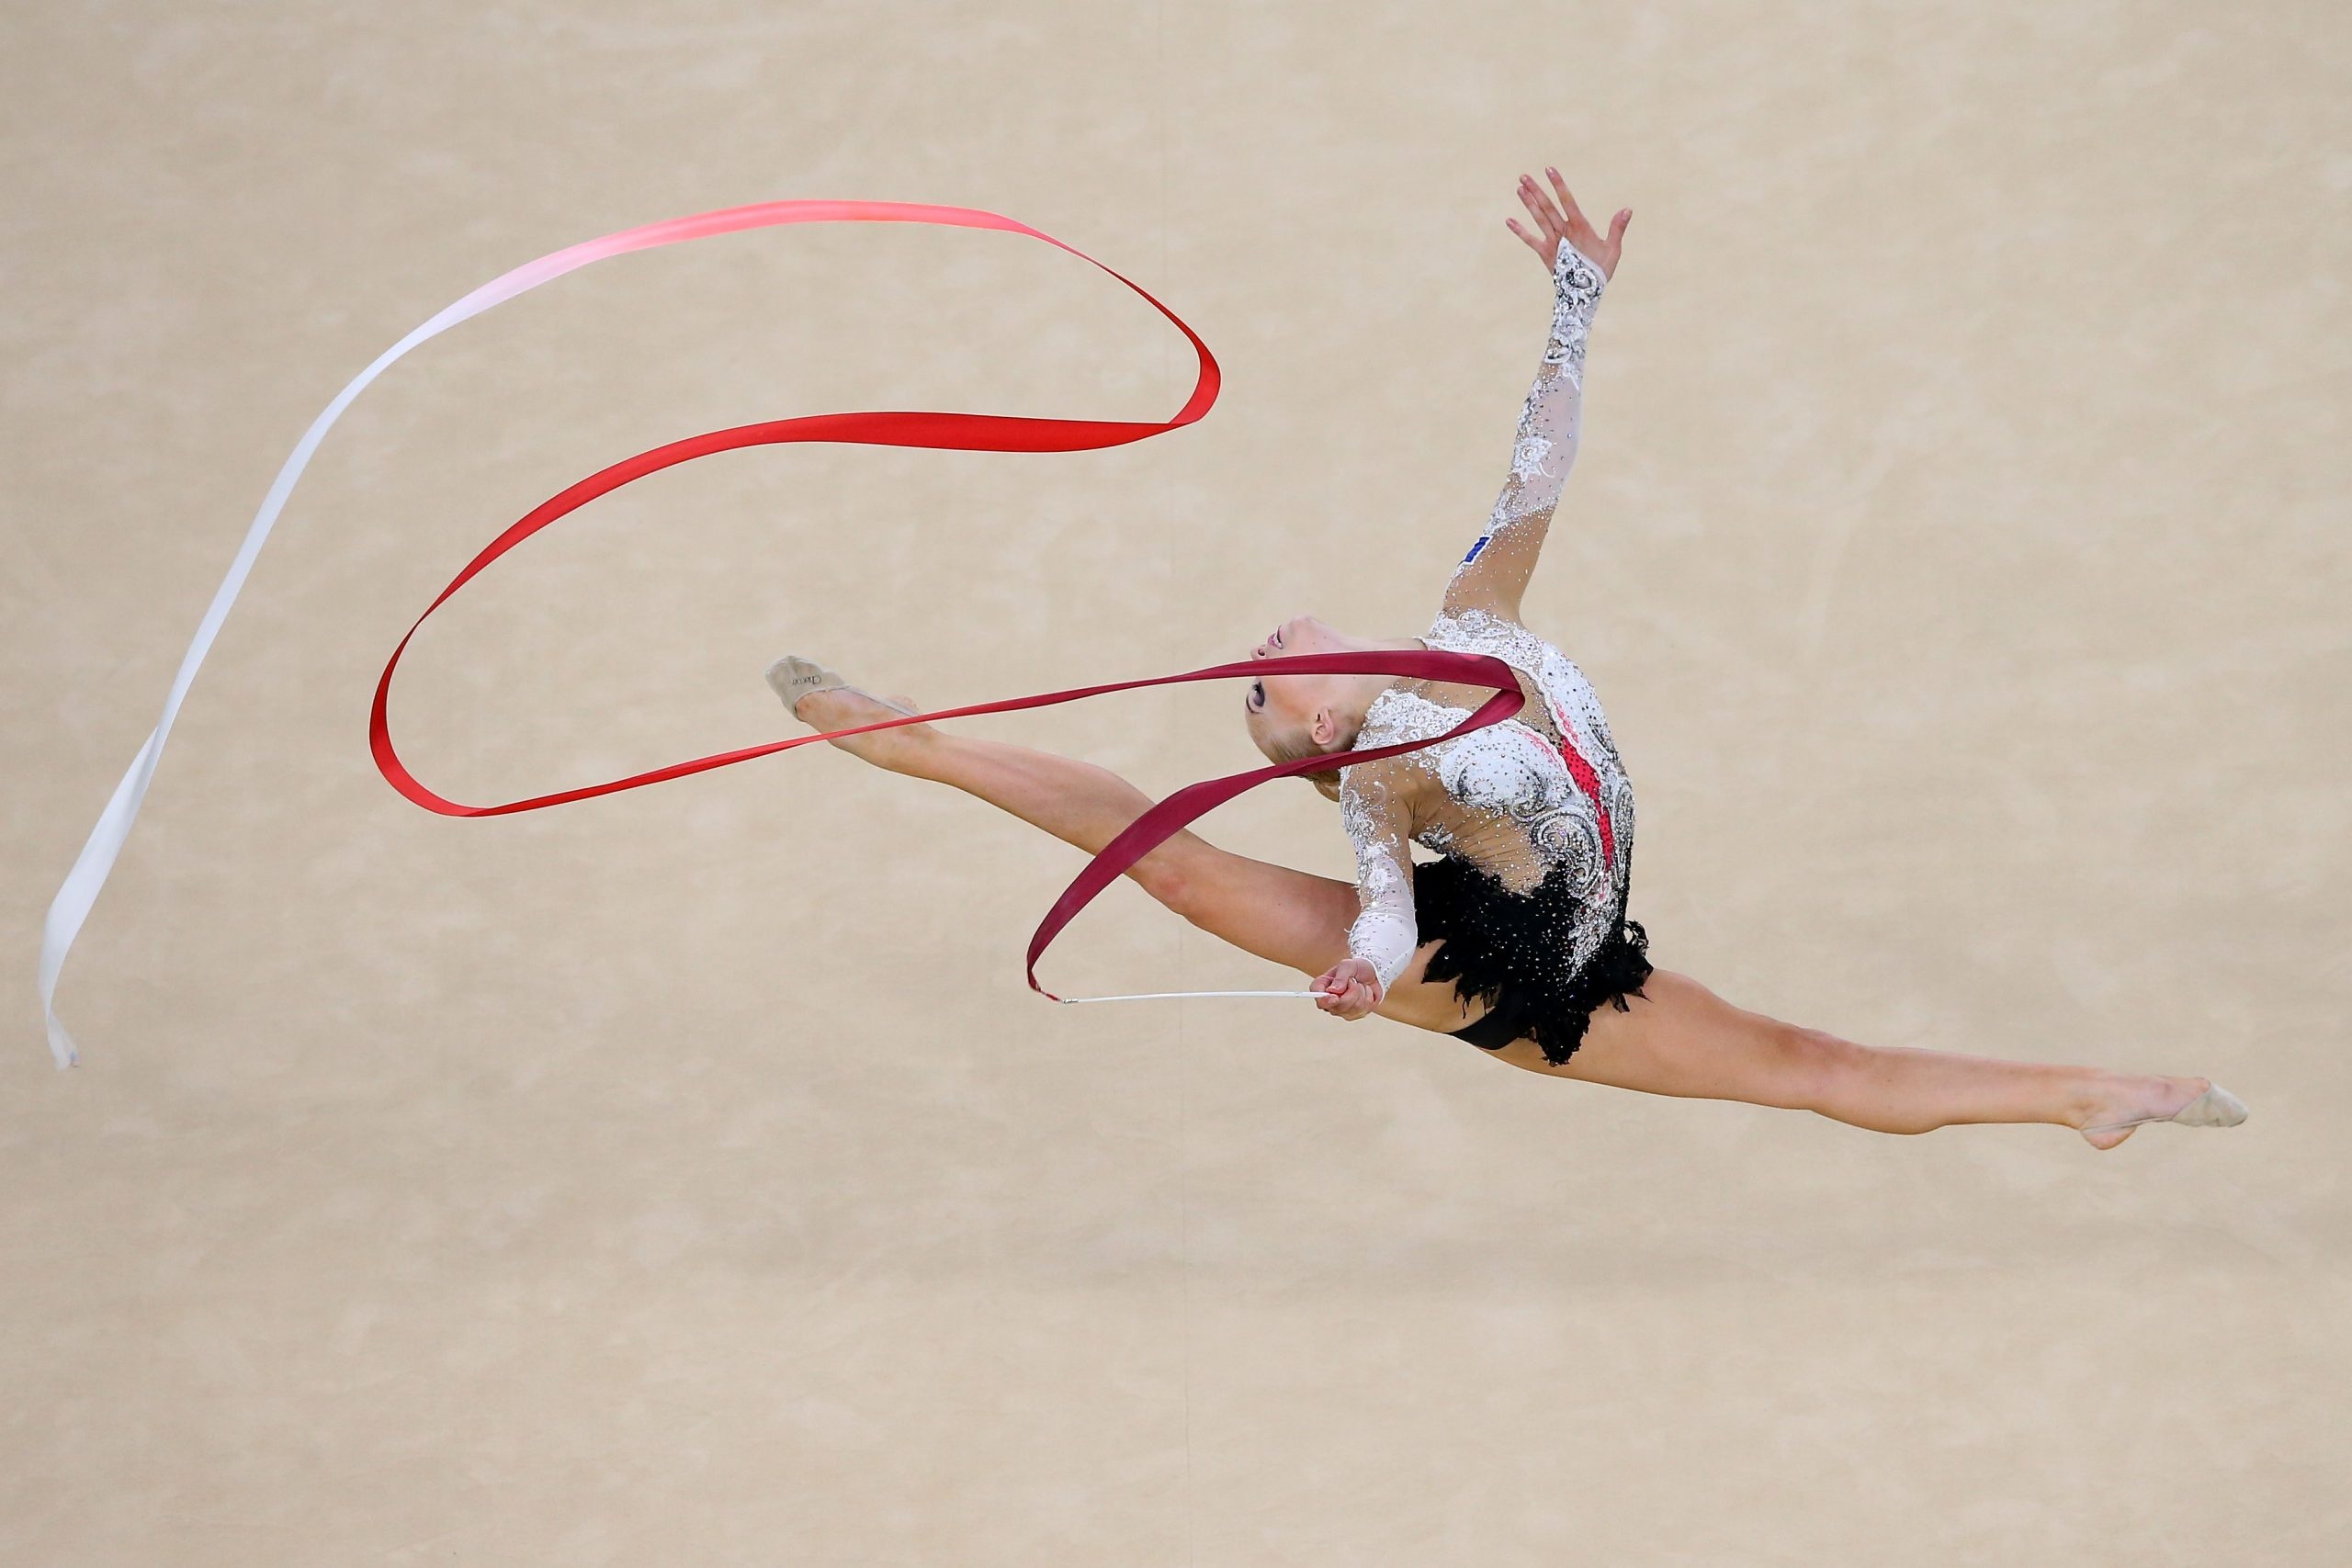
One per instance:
(1291, 715)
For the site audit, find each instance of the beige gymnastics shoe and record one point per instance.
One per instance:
(796, 680)
(794, 677)
(2217, 1107)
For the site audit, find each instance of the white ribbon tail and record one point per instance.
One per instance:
(79, 892)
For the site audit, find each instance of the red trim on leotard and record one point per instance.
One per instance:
(1586, 780)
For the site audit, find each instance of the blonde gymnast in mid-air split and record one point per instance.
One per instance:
(1515, 937)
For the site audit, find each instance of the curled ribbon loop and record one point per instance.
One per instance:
(966, 431)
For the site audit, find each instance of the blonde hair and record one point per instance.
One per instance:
(1290, 747)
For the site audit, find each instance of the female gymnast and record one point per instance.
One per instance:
(1515, 937)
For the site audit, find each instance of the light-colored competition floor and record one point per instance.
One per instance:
(686, 1176)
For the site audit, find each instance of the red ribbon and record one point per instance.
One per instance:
(976, 432)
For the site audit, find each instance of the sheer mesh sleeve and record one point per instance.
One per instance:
(1501, 562)
(1549, 420)
(1385, 931)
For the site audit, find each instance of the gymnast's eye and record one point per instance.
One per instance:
(1257, 694)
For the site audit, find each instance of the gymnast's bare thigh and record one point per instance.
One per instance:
(1425, 1003)
(1677, 1037)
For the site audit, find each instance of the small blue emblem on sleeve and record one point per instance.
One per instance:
(1476, 548)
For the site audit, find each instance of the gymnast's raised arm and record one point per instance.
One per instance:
(1493, 574)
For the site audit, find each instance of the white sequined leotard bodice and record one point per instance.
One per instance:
(1542, 791)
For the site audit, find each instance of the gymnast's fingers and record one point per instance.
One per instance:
(1532, 200)
(1575, 216)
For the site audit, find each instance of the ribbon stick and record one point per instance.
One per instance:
(1185, 996)
(71, 907)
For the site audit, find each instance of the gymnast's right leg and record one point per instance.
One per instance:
(1679, 1038)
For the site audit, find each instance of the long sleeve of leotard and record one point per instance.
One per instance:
(1385, 931)
(1496, 571)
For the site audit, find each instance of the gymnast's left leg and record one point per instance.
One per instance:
(1290, 917)
(1294, 918)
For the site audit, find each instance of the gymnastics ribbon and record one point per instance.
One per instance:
(71, 906)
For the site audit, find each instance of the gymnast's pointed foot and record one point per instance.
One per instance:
(2192, 1102)
(820, 699)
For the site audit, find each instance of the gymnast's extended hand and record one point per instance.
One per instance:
(1569, 225)
(1349, 989)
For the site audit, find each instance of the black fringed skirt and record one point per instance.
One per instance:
(1511, 950)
